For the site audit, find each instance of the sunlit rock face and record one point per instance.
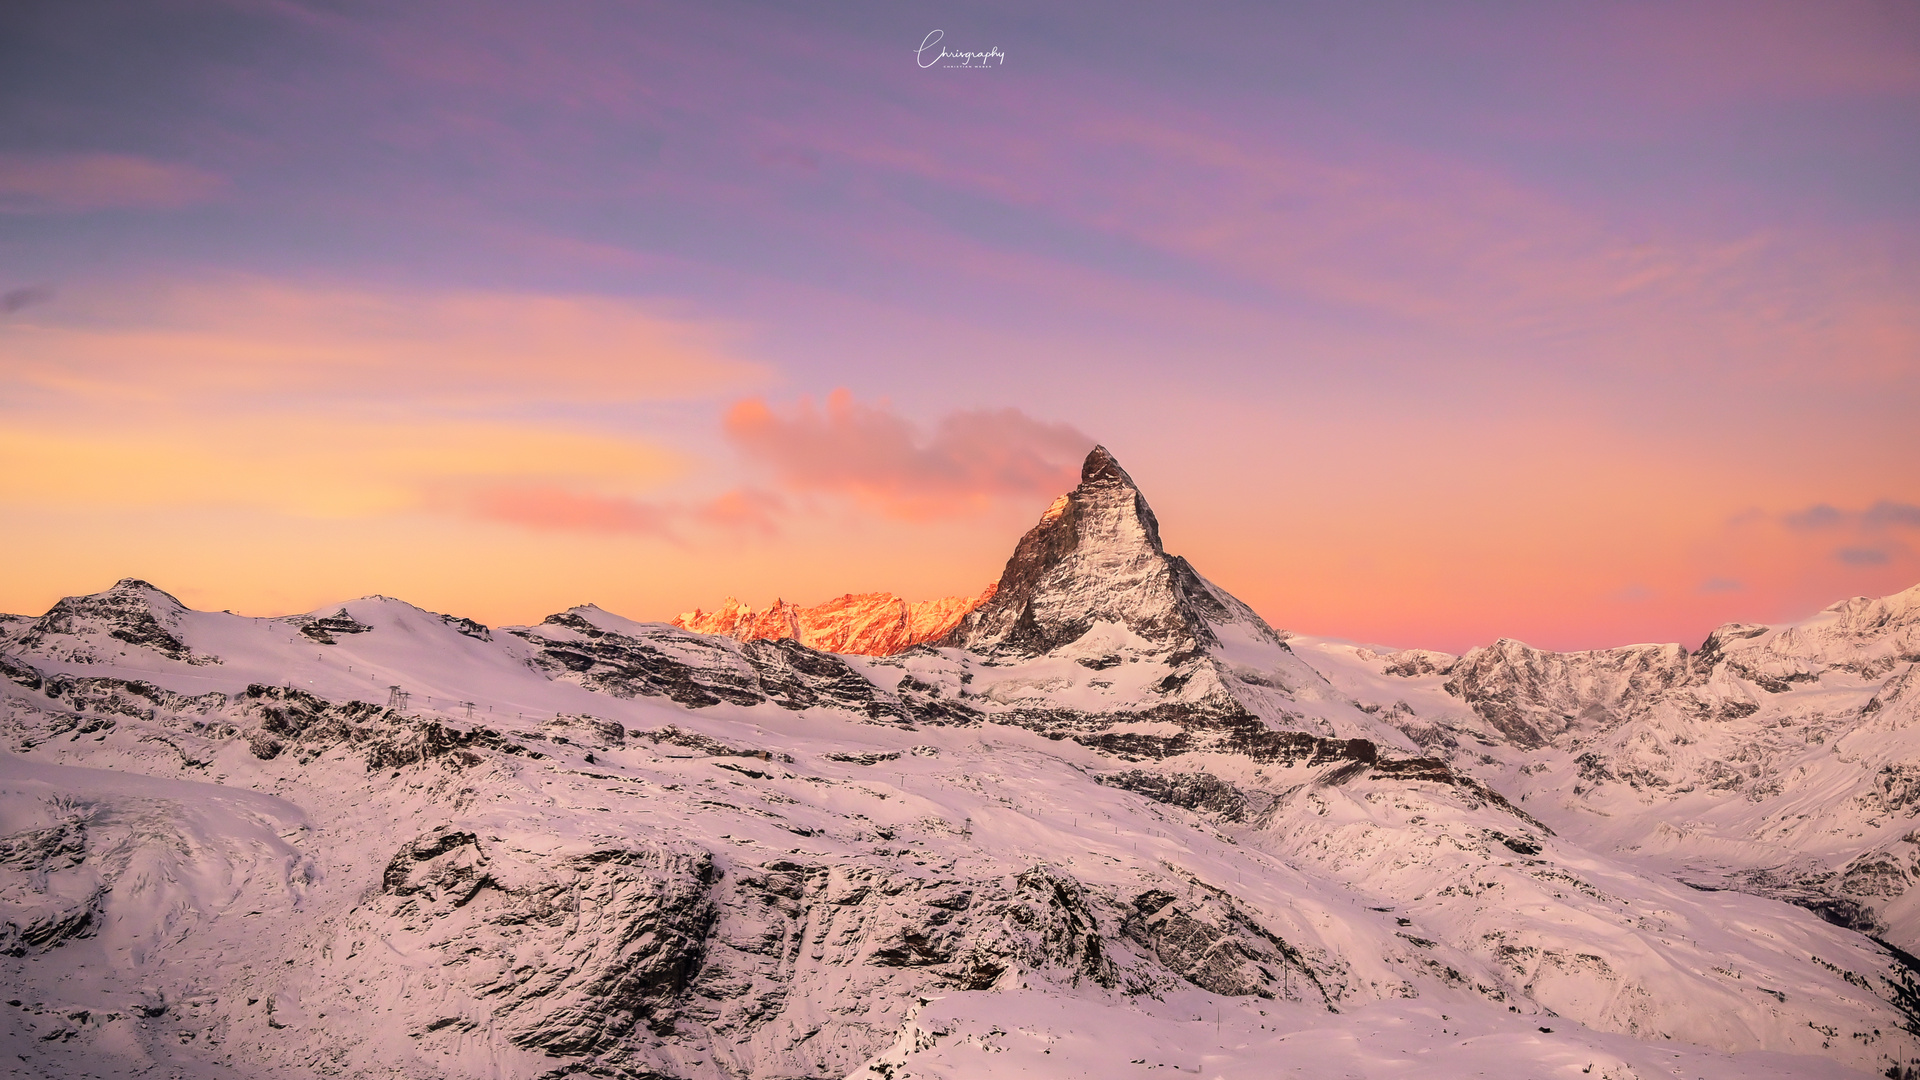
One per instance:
(1095, 557)
(866, 624)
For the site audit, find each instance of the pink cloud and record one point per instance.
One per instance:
(79, 182)
(881, 459)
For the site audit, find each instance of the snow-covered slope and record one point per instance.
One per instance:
(1783, 760)
(1119, 826)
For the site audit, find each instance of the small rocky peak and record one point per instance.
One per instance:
(132, 612)
(134, 590)
(1101, 465)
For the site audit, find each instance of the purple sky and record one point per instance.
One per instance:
(1419, 323)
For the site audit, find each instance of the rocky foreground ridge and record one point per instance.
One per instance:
(1109, 820)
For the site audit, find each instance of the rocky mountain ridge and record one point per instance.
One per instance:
(869, 624)
(1773, 759)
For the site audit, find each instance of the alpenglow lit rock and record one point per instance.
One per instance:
(1095, 557)
(866, 624)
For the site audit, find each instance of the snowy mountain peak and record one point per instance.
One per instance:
(1094, 557)
(131, 614)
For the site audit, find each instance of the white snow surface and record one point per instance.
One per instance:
(1782, 760)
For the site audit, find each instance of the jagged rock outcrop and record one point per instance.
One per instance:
(323, 629)
(867, 624)
(666, 959)
(564, 956)
(1532, 695)
(699, 670)
(91, 629)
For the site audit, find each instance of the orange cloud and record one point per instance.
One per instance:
(879, 458)
(307, 466)
(326, 403)
(70, 183)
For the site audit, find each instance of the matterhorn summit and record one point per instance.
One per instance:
(1095, 559)
(1101, 820)
(1092, 596)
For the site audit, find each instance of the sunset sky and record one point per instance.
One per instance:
(1419, 324)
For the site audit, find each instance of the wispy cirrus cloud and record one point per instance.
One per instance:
(76, 183)
(881, 459)
(305, 465)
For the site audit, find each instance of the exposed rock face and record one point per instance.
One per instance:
(698, 670)
(867, 624)
(1532, 695)
(323, 630)
(674, 958)
(1095, 557)
(89, 629)
(623, 932)
(1207, 940)
(1189, 791)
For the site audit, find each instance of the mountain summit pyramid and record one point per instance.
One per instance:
(1096, 557)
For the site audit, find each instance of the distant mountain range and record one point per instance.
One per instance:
(1102, 818)
(869, 624)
